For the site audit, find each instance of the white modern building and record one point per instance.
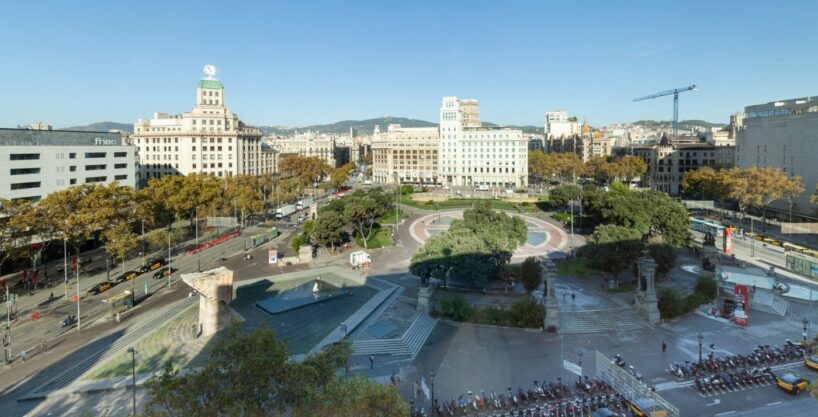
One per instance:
(471, 155)
(405, 154)
(559, 125)
(36, 163)
(782, 134)
(210, 139)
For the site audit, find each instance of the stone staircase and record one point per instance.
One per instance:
(407, 345)
(129, 338)
(600, 321)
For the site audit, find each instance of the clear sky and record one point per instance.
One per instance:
(301, 62)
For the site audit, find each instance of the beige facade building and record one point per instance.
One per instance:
(209, 139)
(668, 161)
(408, 155)
(475, 156)
(586, 144)
(307, 144)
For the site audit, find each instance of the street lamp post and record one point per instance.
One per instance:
(805, 322)
(170, 270)
(198, 252)
(65, 265)
(432, 380)
(700, 347)
(572, 229)
(132, 351)
(397, 202)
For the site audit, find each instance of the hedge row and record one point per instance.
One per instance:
(526, 312)
(671, 305)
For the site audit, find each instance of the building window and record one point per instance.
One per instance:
(120, 154)
(120, 166)
(120, 177)
(24, 171)
(72, 181)
(72, 155)
(24, 156)
(95, 155)
(72, 168)
(94, 167)
(25, 185)
(95, 179)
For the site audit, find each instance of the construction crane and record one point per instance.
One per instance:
(675, 93)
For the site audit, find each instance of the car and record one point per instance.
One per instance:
(791, 382)
(811, 361)
(101, 287)
(127, 276)
(164, 272)
(152, 265)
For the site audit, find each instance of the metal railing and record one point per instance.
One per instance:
(632, 389)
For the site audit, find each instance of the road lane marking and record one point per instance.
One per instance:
(725, 413)
(775, 403)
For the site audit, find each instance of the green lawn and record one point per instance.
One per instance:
(577, 267)
(381, 238)
(468, 203)
(389, 218)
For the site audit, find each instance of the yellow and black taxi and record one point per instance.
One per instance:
(164, 273)
(152, 265)
(791, 383)
(642, 407)
(101, 287)
(812, 362)
(127, 276)
(605, 412)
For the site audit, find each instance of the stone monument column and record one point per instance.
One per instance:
(551, 322)
(215, 288)
(647, 268)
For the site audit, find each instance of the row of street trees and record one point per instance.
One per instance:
(473, 250)
(568, 166)
(748, 187)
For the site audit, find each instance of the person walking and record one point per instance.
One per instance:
(371, 361)
(23, 356)
(573, 298)
(664, 347)
(416, 389)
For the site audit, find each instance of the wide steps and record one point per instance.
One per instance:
(409, 344)
(601, 321)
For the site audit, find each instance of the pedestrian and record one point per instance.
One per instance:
(564, 294)
(117, 317)
(23, 356)
(664, 347)
(416, 389)
(573, 298)
(371, 361)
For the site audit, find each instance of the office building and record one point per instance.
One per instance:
(39, 162)
(308, 145)
(209, 139)
(407, 155)
(559, 126)
(668, 161)
(782, 134)
(472, 155)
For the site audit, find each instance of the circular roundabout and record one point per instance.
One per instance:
(544, 239)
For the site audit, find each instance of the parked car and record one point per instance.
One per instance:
(152, 265)
(164, 273)
(791, 382)
(127, 276)
(101, 287)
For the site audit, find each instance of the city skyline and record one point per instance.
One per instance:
(304, 64)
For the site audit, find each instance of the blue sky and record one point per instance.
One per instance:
(304, 62)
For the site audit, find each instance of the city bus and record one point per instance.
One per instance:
(705, 226)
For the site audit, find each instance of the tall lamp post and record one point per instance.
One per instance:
(700, 347)
(432, 380)
(132, 351)
(397, 202)
(805, 322)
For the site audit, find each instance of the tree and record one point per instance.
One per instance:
(630, 167)
(243, 192)
(120, 240)
(649, 212)
(531, 274)
(340, 175)
(305, 170)
(363, 208)
(14, 228)
(664, 255)
(296, 243)
(249, 374)
(541, 165)
(612, 248)
(328, 229)
(561, 195)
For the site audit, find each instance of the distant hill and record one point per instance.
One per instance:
(683, 124)
(103, 127)
(366, 127)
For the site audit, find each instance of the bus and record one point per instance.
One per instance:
(802, 264)
(704, 226)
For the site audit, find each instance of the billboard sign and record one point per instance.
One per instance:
(273, 256)
(742, 305)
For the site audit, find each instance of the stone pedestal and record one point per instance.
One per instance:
(424, 297)
(215, 288)
(551, 323)
(305, 254)
(647, 300)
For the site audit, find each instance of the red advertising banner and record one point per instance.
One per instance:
(727, 240)
(741, 313)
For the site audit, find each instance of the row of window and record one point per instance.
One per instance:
(72, 181)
